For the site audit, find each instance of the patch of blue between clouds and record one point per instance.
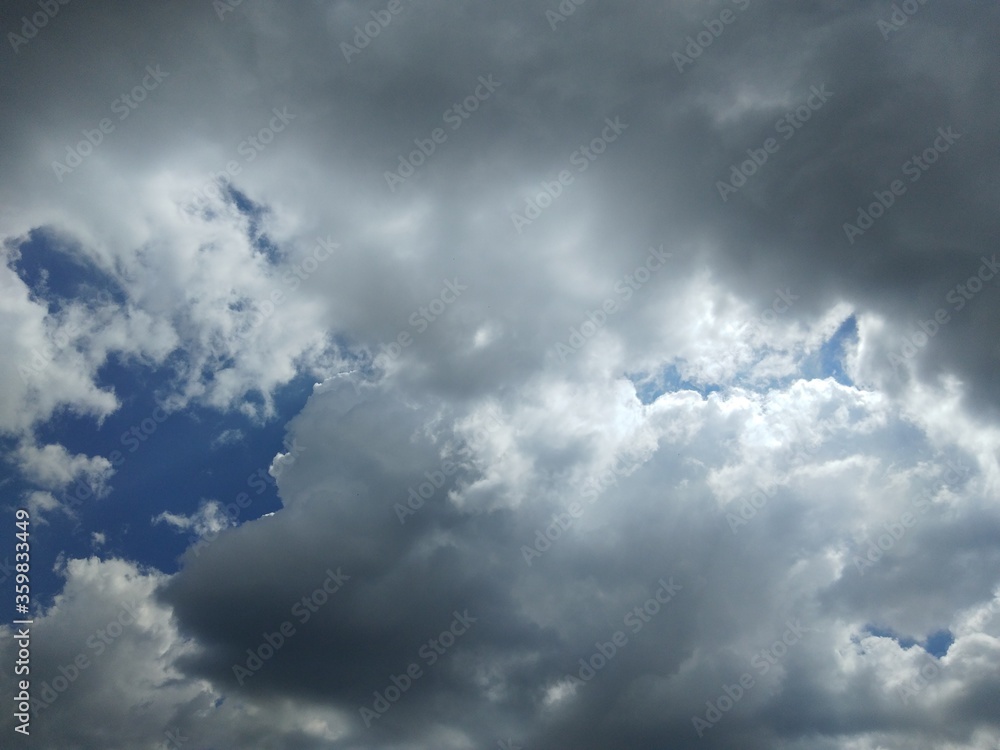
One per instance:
(171, 465)
(168, 465)
(829, 360)
(57, 274)
(669, 380)
(255, 212)
(936, 644)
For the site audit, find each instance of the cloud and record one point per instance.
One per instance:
(838, 483)
(228, 437)
(209, 519)
(53, 468)
(795, 425)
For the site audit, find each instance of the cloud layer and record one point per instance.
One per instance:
(655, 400)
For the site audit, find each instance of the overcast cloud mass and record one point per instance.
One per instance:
(433, 375)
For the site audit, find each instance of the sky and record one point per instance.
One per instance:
(538, 375)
